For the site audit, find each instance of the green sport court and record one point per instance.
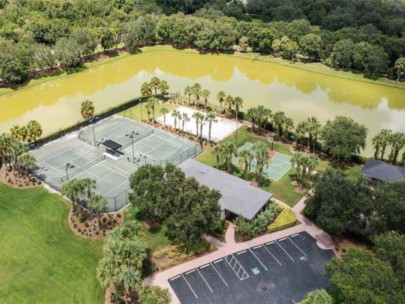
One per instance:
(84, 154)
(279, 163)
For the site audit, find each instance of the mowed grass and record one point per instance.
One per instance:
(140, 113)
(41, 260)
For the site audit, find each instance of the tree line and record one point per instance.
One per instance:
(45, 35)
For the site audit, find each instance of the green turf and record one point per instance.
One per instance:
(41, 260)
(137, 113)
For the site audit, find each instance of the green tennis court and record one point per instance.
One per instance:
(278, 165)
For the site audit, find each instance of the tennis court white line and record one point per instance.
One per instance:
(298, 247)
(285, 251)
(189, 285)
(205, 280)
(223, 280)
(283, 172)
(258, 259)
(172, 279)
(272, 254)
(190, 271)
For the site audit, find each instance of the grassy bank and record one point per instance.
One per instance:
(314, 67)
(41, 260)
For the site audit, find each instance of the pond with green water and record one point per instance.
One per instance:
(300, 94)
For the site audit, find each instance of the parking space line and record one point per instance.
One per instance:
(241, 252)
(190, 271)
(269, 243)
(218, 261)
(189, 286)
(205, 280)
(206, 265)
(281, 239)
(272, 255)
(219, 274)
(172, 279)
(258, 259)
(294, 235)
(298, 248)
(285, 251)
(257, 247)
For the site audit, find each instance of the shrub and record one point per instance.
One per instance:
(285, 219)
(86, 224)
(75, 225)
(119, 215)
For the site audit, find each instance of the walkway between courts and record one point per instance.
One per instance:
(223, 249)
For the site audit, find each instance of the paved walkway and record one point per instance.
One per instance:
(323, 241)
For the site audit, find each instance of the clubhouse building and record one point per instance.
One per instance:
(377, 170)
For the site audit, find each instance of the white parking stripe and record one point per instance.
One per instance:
(241, 252)
(204, 280)
(218, 261)
(219, 274)
(285, 251)
(281, 239)
(190, 271)
(172, 279)
(258, 259)
(298, 247)
(272, 255)
(294, 235)
(206, 265)
(189, 286)
(269, 243)
(257, 247)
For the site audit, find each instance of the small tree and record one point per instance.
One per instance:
(400, 67)
(97, 203)
(87, 109)
(146, 89)
(243, 44)
(163, 87)
(150, 294)
(34, 130)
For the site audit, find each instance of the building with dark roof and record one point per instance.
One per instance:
(238, 196)
(379, 170)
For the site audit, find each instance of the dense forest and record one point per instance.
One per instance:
(367, 36)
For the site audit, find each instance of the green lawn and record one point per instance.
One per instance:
(41, 260)
(139, 111)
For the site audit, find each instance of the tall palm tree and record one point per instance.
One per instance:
(238, 103)
(87, 109)
(196, 117)
(163, 87)
(97, 203)
(211, 118)
(185, 119)
(245, 157)
(34, 129)
(197, 93)
(15, 132)
(202, 119)
(188, 91)
(146, 89)
(73, 189)
(262, 116)
(155, 84)
(175, 115)
(262, 158)
(152, 103)
(384, 136)
(314, 131)
(205, 94)
(251, 116)
(376, 141)
(229, 103)
(217, 152)
(301, 132)
(89, 186)
(221, 98)
(15, 150)
(26, 162)
(228, 149)
(164, 111)
(5, 144)
(397, 143)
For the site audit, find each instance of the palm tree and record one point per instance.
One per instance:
(151, 103)
(229, 103)
(87, 109)
(15, 150)
(384, 137)
(228, 149)
(185, 119)
(89, 186)
(262, 116)
(15, 132)
(283, 123)
(97, 203)
(251, 116)
(164, 111)
(34, 129)
(74, 190)
(196, 117)
(221, 98)
(262, 158)
(202, 119)
(175, 115)
(26, 162)
(163, 87)
(217, 152)
(376, 141)
(400, 67)
(314, 131)
(197, 93)
(238, 103)
(130, 279)
(245, 158)
(210, 118)
(155, 84)
(146, 89)
(188, 91)
(205, 94)
(301, 132)
(397, 143)
(5, 144)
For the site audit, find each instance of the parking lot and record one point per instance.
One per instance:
(281, 271)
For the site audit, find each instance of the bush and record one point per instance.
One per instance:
(285, 219)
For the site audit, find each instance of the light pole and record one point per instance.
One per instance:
(131, 136)
(68, 166)
(92, 120)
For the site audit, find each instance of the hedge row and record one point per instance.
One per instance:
(284, 220)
